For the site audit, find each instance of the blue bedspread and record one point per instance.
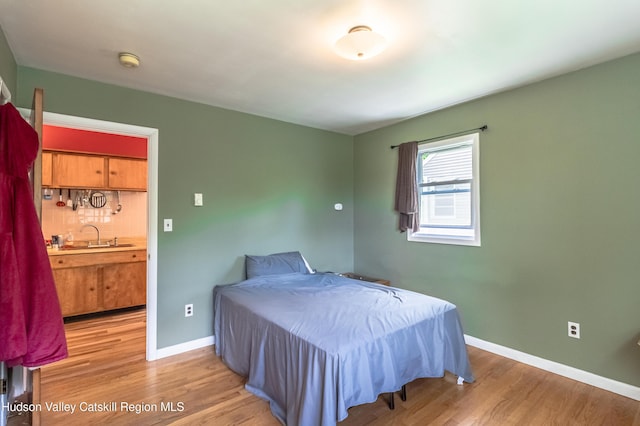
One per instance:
(314, 345)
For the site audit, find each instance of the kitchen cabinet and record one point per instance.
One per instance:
(78, 171)
(125, 284)
(47, 159)
(101, 281)
(127, 173)
(86, 171)
(77, 290)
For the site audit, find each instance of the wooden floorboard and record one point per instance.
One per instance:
(107, 365)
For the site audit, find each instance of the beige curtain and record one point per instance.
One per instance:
(407, 188)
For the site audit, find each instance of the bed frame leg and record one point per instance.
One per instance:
(403, 396)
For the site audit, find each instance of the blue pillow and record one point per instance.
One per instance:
(277, 263)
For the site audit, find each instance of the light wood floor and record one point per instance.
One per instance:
(107, 365)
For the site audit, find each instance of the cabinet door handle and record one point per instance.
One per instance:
(60, 262)
(134, 255)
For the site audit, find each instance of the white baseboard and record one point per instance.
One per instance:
(610, 385)
(184, 347)
(620, 388)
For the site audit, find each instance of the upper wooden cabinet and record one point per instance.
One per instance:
(79, 171)
(127, 173)
(84, 171)
(47, 178)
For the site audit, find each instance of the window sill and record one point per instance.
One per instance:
(424, 238)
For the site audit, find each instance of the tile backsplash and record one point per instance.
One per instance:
(131, 221)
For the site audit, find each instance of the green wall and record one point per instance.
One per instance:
(8, 68)
(560, 219)
(268, 186)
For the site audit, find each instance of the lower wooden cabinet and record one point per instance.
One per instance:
(95, 282)
(124, 285)
(77, 290)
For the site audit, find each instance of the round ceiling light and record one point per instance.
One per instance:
(128, 60)
(360, 43)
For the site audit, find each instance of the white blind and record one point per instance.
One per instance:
(446, 165)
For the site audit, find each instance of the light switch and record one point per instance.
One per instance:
(337, 206)
(168, 225)
(197, 199)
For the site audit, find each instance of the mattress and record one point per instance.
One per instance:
(314, 345)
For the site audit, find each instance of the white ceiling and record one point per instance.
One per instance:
(275, 59)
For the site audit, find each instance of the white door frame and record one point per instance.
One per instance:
(151, 135)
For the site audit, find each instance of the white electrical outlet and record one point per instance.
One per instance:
(573, 329)
(188, 310)
(168, 225)
(197, 199)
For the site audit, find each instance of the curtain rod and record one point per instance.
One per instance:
(482, 128)
(4, 91)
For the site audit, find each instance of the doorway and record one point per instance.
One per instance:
(151, 135)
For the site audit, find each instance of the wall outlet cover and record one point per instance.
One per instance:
(573, 329)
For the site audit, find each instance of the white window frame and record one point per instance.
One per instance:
(424, 236)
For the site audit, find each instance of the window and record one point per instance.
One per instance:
(449, 192)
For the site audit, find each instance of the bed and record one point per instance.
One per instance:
(315, 344)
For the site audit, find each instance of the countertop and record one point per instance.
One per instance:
(132, 244)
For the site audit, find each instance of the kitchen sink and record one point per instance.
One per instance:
(83, 247)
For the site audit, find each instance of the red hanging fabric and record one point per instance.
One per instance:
(31, 326)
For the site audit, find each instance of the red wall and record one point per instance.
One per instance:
(65, 139)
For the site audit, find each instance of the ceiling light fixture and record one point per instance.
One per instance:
(360, 43)
(128, 60)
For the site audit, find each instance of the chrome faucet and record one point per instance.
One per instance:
(99, 243)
